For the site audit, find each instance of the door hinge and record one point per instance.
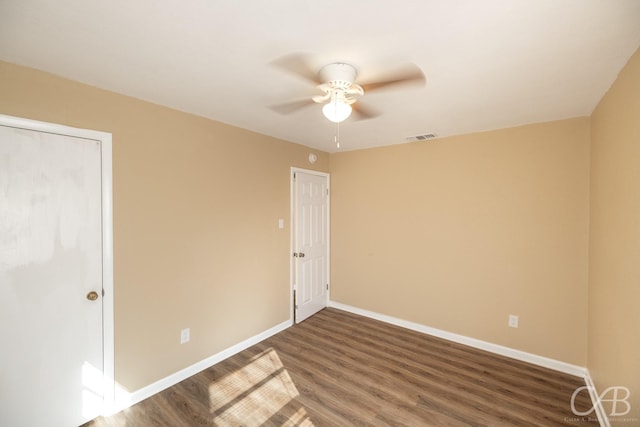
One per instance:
(327, 286)
(327, 191)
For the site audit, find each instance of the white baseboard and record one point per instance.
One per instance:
(546, 362)
(125, 400)
(603, 419)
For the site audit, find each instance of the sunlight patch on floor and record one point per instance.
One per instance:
(255, 393)
(300, 418)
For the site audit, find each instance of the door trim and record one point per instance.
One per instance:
(292, 301)
(105, 140)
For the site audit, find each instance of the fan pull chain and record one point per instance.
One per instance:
(336, 138)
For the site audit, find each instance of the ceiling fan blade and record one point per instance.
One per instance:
(293, 106)
(361, 112)
(410, 74)
(298, 64)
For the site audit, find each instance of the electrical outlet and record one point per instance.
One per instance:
(513, 321)
(185, 335)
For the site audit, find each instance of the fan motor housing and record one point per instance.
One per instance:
(339, 74)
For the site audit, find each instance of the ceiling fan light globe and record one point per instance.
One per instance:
(336, 111)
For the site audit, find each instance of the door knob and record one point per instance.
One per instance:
(92, 296)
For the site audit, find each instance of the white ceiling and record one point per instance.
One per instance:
(489, 63)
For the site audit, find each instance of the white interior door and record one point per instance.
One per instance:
(51, 279)
(311, 243)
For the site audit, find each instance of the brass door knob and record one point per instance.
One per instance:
(92, 296)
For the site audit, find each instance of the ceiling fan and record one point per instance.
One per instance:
(337, 82)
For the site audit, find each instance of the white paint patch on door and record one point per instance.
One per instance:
(36, 216)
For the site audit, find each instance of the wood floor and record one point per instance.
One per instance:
(340, 369)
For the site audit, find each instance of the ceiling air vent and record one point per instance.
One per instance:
(421, 137)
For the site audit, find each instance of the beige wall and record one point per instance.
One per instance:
(614, 274)
(196, 208)
(457, 233)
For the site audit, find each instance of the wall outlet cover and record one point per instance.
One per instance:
(185, 335)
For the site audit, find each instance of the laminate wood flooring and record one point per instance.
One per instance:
(340, 369)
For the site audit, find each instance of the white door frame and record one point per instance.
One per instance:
(292, 277)
(107, 237)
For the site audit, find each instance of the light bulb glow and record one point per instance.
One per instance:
(336, 111)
